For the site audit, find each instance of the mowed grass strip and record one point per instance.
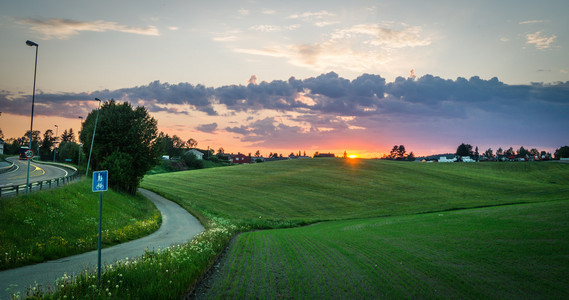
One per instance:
(512, 252)
(295, 192)
(64, 221)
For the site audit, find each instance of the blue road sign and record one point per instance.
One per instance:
(100, 181)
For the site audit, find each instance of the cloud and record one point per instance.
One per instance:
(312, 15)
(357, 48)
(243, 11)
(265, 131)
(269, 12)
(328, 107)
(252, 80)
(532, 22)
(226, 38)
(59, 28)
(266, 28)
(540, 41)
(320, 19)
(209, 128)
(378, 35)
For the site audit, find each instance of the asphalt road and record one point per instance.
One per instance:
(38, 172)
(178, 226)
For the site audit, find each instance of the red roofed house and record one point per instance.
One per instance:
(240, 158)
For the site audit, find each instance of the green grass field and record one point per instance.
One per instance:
(306, 191)
(463, 253)
(64, 221)
(504, 252)
(386, 229)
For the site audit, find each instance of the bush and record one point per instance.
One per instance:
(192, 161)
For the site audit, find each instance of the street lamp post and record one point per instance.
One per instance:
(54, 148)
(32, 44)
(93, 138)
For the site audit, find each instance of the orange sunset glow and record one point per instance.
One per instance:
(320, 77)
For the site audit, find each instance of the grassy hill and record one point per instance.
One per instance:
(387, 229)
(392, 247)
(61, 222)
(502, 252)
(305, 191)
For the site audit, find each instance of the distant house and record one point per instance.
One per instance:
(1, 146)
(197, 153)
(240, 158)
(467, 159)
(325, 155)
(444, 159)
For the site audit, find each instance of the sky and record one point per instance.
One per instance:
(289, 76)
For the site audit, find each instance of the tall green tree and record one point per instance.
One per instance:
(464, 150)
(172, 146)
(125, 143)
(47, 143)
(401, 152)
(510, 152)
(68, 150)
(523, 151)
(562, 152)
(192, 143)
(25, 140)
(68, 136)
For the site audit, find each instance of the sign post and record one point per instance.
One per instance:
(29, 154)
(100, 184)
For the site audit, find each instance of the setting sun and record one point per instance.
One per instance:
(353, 156)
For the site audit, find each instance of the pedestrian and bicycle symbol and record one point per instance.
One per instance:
(29, 153)
(100, 181)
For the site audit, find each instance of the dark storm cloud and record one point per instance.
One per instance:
(209, 128)
(367, 96)
(155, 97)
(65, 105)
(277, 94)
(265, 131)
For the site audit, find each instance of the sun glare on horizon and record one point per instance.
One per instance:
(352, 156)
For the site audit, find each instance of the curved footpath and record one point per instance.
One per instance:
(178, 226)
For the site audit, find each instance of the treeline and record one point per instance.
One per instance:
(467, 150)
(398, 152)
(47, 146)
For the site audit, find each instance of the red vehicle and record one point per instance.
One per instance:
(23, 153)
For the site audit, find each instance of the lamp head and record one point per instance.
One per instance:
(30, 43)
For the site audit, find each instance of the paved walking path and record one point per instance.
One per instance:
(178, 226)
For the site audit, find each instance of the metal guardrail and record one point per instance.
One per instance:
(15, 190)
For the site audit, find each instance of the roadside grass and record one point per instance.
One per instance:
(292, 193)
(162, 274)
(505, 252)
(64, 221)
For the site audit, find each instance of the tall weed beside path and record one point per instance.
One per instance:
(61, 222)
(164, 274)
